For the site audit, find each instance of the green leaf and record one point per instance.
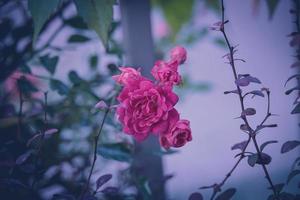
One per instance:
(296, 110)
(98, 14)
(292, 175)
(227, 195)
(272, 5)
(76, 22)
(40, 11)
(176, 12)
(74, 78)
(25, 85)
(76, 38)
(93, 60)
(116, 151)
(49, 63)
(59, 86)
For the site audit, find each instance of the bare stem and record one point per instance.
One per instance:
(94, 155)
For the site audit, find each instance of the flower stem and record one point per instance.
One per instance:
(94, 155)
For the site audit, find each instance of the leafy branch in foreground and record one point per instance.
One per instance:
(258, 157)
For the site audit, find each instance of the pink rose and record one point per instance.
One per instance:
(178, 135)
(146, 108)
(178, 54)
(166, 73)
(128, 76)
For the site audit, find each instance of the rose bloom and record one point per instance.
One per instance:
(146, 108)
(128, 76)
(166, 73)
(178, 54)
(177, 136)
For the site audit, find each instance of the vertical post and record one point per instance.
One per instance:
(138, 42)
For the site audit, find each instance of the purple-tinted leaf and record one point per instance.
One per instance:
(227, 195)
(257, 93)
(289, 145)
(267, 143)
(103, 179)
(296, 110)
(266, 126)
(101, 105)
(295, 40)
(291, 90)
(51, 131)
(292, 77)
(242, 82)
(286, 196)
(296, 64)
(244, 127)
(196, 196)
(207, 187)
(252, 159)
(295, 163)
(265, 159)
(110, 190)
(240, 145)
(249, 111)
(232, 91)
(253, 79)
(22, 158)
(292, 174)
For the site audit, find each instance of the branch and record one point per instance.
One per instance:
(244, 117)
(94, 155)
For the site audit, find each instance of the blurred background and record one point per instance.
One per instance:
(69, 70)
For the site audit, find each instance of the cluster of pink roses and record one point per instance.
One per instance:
(148, 107)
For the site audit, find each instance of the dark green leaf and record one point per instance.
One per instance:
(59, 86)
(220, 41)
(25, 69)
(292, 175)
(272, 5)
(227, 195)
(289, 145)
(98, 14)
(76, 38)
(74, 78)
(40, 11)
(296, 110)
(116, 151)
(76, 22)
(252, 159)
(26, 86)
(267, 143)
(93, 60)
(49, 63)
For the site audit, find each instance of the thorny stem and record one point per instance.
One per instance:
(95, 154)
(219, 185)
(252, 132)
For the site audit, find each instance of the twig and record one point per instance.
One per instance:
(94, 155)
(219, 185)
